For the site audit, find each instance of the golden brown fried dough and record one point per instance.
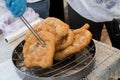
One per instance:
(28, 32)
(60, 42)
(59, 27)
(81, 39)
(85, 26)
(65, 42)
(40, 27)
(37, 55)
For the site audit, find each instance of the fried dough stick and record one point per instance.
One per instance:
(37, 55)
(81, 39)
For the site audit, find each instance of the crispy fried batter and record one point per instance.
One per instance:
(40, 27)
(37, 55)
(28, 32)
(59, 27)
(60, 42)
(81, 39)
(65, 42)
(85, 26)
(53, 25)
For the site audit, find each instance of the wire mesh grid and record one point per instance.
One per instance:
(68, 66)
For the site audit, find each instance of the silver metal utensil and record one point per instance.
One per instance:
(42, 42)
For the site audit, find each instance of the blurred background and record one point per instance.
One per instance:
(105, 38)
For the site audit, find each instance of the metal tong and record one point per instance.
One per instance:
(42, 42)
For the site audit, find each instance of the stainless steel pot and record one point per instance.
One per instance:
(74, 67)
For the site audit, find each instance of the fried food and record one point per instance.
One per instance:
(85, 26)
(59, 27)
(66, 41)
(53, 25)
(40, 27)
(28, 32)
(37, 55)
(60, 42)
(81, 39)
